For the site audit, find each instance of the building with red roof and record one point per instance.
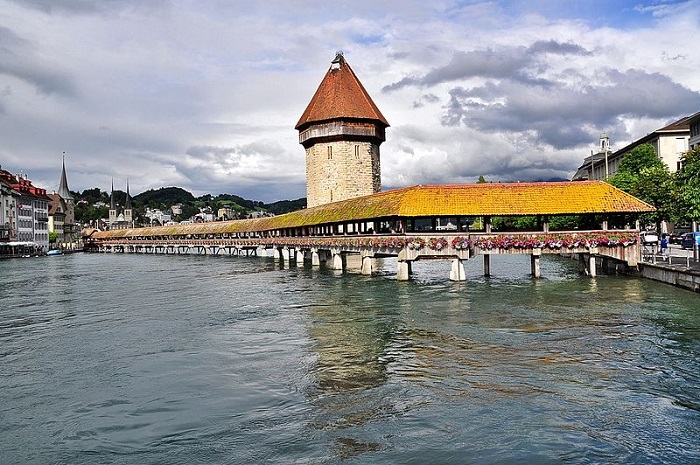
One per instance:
(341, 130)
(31, 210)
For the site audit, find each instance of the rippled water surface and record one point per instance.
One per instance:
(132, 359)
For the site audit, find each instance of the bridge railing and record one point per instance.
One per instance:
(621, 244)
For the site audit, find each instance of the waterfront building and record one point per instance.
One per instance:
(341, 130)
(8, 211)
(62, 213)
(226, 213)
(694, 126)
(32, 210)
(669, 142)
(157, 217)
(71, 231)
(597, 165)
(57, 218)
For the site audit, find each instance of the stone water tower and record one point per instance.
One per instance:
(341, 130)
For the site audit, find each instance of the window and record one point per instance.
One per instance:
(680, 144)
(357, 152)
(330, 152)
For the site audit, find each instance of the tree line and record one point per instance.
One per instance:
(92, 205)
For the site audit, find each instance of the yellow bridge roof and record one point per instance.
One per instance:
(487, 199)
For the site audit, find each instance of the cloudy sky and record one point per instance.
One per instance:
(204, 94)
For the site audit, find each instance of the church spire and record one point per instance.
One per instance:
(127, 205)
(63, 190)
(112, 201)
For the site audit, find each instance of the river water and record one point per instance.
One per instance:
(154, 359)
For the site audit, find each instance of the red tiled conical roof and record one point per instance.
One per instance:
(340, 96)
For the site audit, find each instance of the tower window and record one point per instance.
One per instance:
(330, 152)
(357, 152)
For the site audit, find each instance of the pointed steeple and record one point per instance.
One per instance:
(127, 205)
(63, 190)
(112, 200)
(128, 214)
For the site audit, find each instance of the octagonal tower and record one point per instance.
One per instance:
(341, 130)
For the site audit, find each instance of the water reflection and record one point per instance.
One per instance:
(348, 344)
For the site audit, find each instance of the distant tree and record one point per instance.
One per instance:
(286, 206)
(656, 186)
(164, 197)
(688, 186)
(623, 180)
(188, 211)
(482, 180)
(84, 213)
(643, 156)
(92, 196)
(53, 236)
(514, 223)
(642, 174)
(565, 223)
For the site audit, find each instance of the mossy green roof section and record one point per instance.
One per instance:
(515, 199)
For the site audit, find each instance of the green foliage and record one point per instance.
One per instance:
(84, 213)
(188, 211)
(164, 196)
(646, 176)
(92, 196)
(565, 223)
(688, 186)
(286, 206)
(643, 156)
(655, 185)
(515, 223)
(482, 180)
(53, 235)
(623, 180)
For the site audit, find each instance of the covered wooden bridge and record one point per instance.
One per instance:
(446, 222)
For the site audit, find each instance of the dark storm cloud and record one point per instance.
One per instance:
(228, 169)
(561, 113)
(520, 94)
(517, 63)
(18, 59)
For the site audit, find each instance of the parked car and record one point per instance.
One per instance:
(676, 237)
(649, 237)
(690, 239)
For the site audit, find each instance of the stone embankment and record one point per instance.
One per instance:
(679, 268)
(676, 275)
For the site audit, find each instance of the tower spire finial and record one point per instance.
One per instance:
(338, 60)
